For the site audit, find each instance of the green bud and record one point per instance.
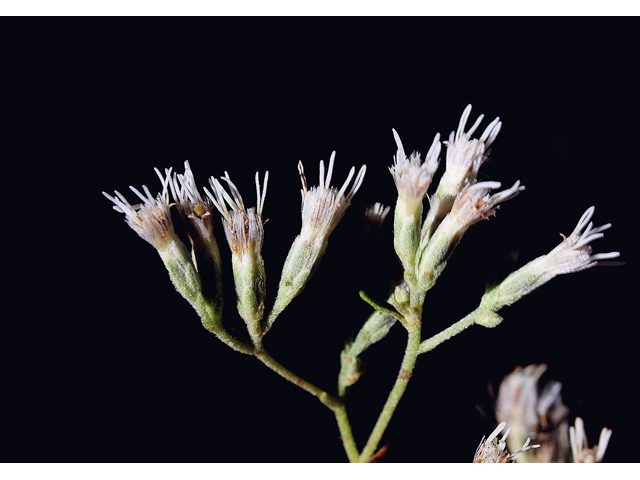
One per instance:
(250, 282)
(406, 236)
(375, 329)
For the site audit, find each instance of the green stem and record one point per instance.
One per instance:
(408, 363)
(453, 330)
(348, 442)
(334, 404)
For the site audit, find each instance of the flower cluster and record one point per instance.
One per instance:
(423, 244)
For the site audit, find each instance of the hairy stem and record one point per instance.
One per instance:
(406, 370)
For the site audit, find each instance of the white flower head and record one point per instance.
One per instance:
(243, 227)
(574, 253)
(493, 450)
(323, 206)
(466, 155)
(150, 219)
(412, 176)
(580, 447)
(474, 203)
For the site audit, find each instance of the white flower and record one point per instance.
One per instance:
(580, 447)
(474, 203)
(412, 176)
(152, 218)
(464, 155)
(243, 227)
(323, 206)
(493, 450)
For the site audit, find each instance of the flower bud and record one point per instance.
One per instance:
(375, 329)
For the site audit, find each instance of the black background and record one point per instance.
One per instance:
(105, 362)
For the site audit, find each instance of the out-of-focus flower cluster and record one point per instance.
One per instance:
(534, 409)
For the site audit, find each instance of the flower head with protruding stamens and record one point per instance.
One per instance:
(464, 155)
(474, 202)
(572, 255)
(493, 450)
(323, 206)
(412, 176)
(243, 227)
(152, 218)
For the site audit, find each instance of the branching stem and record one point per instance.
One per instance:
(334, 404)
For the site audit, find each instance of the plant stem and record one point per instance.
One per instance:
(446, 334)
(348, 442)
(270, 362)
(408, 363)
(334, 404)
